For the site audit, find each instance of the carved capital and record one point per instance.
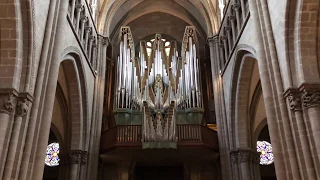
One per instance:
(236, 6)
(8, 100)
(84, 19)
(227, 28)
(105, 41)
(294, 99)
(75, 156)
(310, 95)
(231, 18)
(79, 7)
(234, 156)
(84, 157)
(88, 29)
(244, 155)
(22, 107)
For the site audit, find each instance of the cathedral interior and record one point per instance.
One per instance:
(160, 90)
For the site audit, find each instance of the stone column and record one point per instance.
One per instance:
(83, 163)
(21, 111)
(87, 30)
(7, 110)
(225, 46)
(236, 7)
(79, 8)
(230, 40)
(222, 59)
(233, 27)
(255, 170)
(74, 164)
(235, 164)
(91, 39)
(243, 9)
(294, 100)
(73, 5)
(83, 20)
(311, 101)
(244, 161)
(125, 170)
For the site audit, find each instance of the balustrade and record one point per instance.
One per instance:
(131, 135)
(81, 21)
(235, 18)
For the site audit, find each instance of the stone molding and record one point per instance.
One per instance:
(75, 156)
(78, 157)
(294, 99)
(310, 94)
(24, 100)
(244, 155)
(84, 157)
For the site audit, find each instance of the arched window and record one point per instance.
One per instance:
(52, 155)
(166, 46)
(266, 156)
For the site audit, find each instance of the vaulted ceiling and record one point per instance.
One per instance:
(203, 14)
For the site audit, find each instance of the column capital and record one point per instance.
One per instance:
(105, 41)
(79, 7)
(310, 94)
(294, 98)
(75, 156)
(227, 28)
(231, 17)
(22, 107)
(84, 157)
(244, 155)
(8, 100)
(212, 40)
(234, 156)
(236, 6)
(84, 19)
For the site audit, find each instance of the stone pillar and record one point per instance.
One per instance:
(79, 8)
(73, 5)
(236, 7)
(87, 30)
(125, 170)
(294, 100)
(233, 27)
(311, 101)
(230, 40)
(243, 9)
(244, 162)
(235, 164)
(7, 110)
(225, 46)
(221, 52)
(89, 48)
(74, 164)
(21, 111)
(83, 163)
(83, 20)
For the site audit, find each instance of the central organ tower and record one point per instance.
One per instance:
(158, 87)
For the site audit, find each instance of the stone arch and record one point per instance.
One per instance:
(240, 124)
(302, 38)
(78, 114)
(17, 45)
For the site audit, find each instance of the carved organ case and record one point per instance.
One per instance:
(158, 89)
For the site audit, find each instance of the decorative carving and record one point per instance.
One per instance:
(234, 156)
(244, 155)
(84, 157)
(22, 107)
(8, 104)
(310, 95)
(236, 6)
(75, 156)
(294, 99)
(231, 18)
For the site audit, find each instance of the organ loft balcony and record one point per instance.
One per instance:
(158, 104)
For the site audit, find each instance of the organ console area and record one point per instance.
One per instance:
(158, 113)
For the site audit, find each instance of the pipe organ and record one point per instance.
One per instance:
(158, 89)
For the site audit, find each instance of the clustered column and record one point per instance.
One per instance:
(76, 159)
(245, 163)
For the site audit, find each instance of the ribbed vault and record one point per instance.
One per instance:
(200, 13)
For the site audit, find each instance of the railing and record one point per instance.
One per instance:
(233, 23)
(122, 135)
(187, 135)
(196, 134)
